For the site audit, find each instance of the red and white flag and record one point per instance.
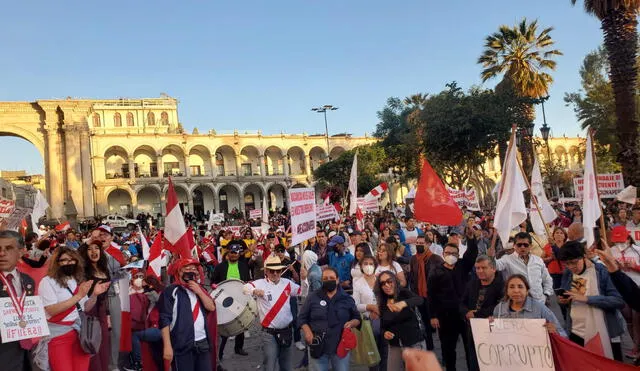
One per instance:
(144, 244)
(327, 200)
(175, 231)
(359, 219)
(353, 186)
(62, 227)
(591, 200)
(116, 253)
(156, 260)
(125, 319)
(376, 192)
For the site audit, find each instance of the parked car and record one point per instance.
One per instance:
(117, 221)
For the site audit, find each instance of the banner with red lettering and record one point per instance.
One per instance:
(6, 207)
(302, 207)
(609, 185)
(468, 198)
(367, 206)
(326, 212)
(255, 213)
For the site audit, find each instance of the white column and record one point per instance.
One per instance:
(132, 168)
(159, 165)
(214, 166)
(307, 165)
(261, 164)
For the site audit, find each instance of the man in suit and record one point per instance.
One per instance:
(232, 268)
(14, 355)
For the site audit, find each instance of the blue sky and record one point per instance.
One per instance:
(252, 65)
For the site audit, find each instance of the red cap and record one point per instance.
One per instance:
(619, 234)
(348, 341)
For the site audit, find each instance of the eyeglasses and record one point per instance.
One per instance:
(522, 244)
(387, 282)
(67, 261)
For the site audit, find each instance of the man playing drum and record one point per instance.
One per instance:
(274, 306)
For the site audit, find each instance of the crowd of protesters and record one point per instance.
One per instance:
(409, 280)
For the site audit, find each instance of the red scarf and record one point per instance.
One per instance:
(422, 272)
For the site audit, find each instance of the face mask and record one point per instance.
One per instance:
(368, 269)
(137, 282)
(68, 270)
(621, 245)
(329, 286)
(451, 260)
(188, 276)
(420, 249)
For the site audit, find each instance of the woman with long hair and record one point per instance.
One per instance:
(362, 250)
(386, 262)
(399, 323)
(95, 269)
(550, 257)
(64, 291)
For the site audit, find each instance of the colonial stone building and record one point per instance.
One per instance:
(114, 156)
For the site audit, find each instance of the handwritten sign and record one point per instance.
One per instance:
(609, 185)
(6, 207)
(367, 206)
(512, 344)
(468, 198)
(36, 320)
(326, 212)
(217, 218)
(255, 213)
(302, 203)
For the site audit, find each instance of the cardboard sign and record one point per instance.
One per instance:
(609, 185)
(302, 207)
(217, 218)
(634, 233)
(6, 207)
(368, 206)
(34, 316)
(14, 220)
(468, 198)
(512, 344)
(326, 212)
(255, 213)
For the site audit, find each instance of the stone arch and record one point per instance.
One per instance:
(203, 199)
(274, 160)
(149, 199)
(28, 135)
(120, 201)
(276, 195)
(229, 197)
(226, 161)
(145, 160)
(173, 161)
(184, 196)
(249, 161)
(199, 161)
(317, 157)
(116, 162)
(336, 151)
(296, 160)
(252, 194)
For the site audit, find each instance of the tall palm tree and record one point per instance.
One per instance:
(522, 56)
(619, 24)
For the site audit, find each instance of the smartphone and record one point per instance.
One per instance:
(560, 292)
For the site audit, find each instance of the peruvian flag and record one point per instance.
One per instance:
(192, 243)
(433, 202)
(327, 200)
(376, 192)
(156, 261)
(116, 253)
(175, 231)
(144, 244)
(125, 319)
(360, 219)
(62, 227)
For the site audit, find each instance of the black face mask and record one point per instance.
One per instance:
(68, 270)
(188, 276)
(329, 286)
(420, 249)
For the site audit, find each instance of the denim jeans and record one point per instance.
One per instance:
(323, 363)
(149, 335)
(275, 355)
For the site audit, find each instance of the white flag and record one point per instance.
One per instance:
(146, 251)
(590, 199)
(353, 186)
(264, 225)
(39, 210)
(547, 211)
(511, 209)
(628, 195)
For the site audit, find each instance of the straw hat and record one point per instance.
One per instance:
(273, 262)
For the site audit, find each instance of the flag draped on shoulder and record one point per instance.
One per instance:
(433, 202)
(116, 252)
(590, 200)
(376, 192)
(175, 231)
(353, 186)
(511, 209)
(537, 191)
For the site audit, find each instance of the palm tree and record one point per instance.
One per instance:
(620, 28)
(522, 56)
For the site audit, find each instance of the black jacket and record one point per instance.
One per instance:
(433, 261)
(494, 292)
(446, 286)
(627, 288)
(404, 324)
(220, 271)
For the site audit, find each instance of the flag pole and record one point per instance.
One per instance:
(534, 198)
(603, 231)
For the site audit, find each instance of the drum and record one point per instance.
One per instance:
(236, 310)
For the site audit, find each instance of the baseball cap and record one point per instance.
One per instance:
(336, 240)
(104, 228)
(348, 341)
(356, 233)
(619, 234)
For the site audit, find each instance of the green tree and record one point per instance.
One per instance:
(335, 173)
(619, 24)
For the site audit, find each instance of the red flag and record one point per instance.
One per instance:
(175, 231)
(191, 241)
(116, 253)
(62, 226)
(433, 203)
(568, 356)
(155, 257)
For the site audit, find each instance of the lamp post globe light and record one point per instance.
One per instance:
(323, 110)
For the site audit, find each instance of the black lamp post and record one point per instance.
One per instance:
(324, 109)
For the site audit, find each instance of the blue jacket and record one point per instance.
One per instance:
(532, 309)
(328, 315)
(181, 322)
(342, 263)
(407, 250)
(609, 300)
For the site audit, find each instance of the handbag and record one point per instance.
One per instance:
(316, 347)
(366, 352)
(90, 334)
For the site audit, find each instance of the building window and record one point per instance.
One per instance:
(129, 119)
(96, 120)
(151, 119)
(164, 118)
(196, 170)
(172, 168)
(117, 120)
(246, 169)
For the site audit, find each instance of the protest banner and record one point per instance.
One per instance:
(634, 233)
(609, 185)
(235, 229)
(255, 213)
(367, 206)
(6, 207)
(14, 221)
(326, 212)
(302, 206)
(32, 325)
(468, 198)
(512, 344)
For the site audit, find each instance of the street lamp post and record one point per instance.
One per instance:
(324, 109)
(544, 131)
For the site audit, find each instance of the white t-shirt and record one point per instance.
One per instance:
(356, 272)
(410, 239)
(584, 284)
(632, 255)
(395, 267)
(272, 293)
(436, 249)
(363, 294)
(199, 332)
(52, 293)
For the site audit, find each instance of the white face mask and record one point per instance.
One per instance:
(621, 245)
(368, 269)
(137, 282)
(451, 259)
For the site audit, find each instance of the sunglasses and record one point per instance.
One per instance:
(387, 282)
(522, 244)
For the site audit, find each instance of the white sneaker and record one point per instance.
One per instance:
(300, 345)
